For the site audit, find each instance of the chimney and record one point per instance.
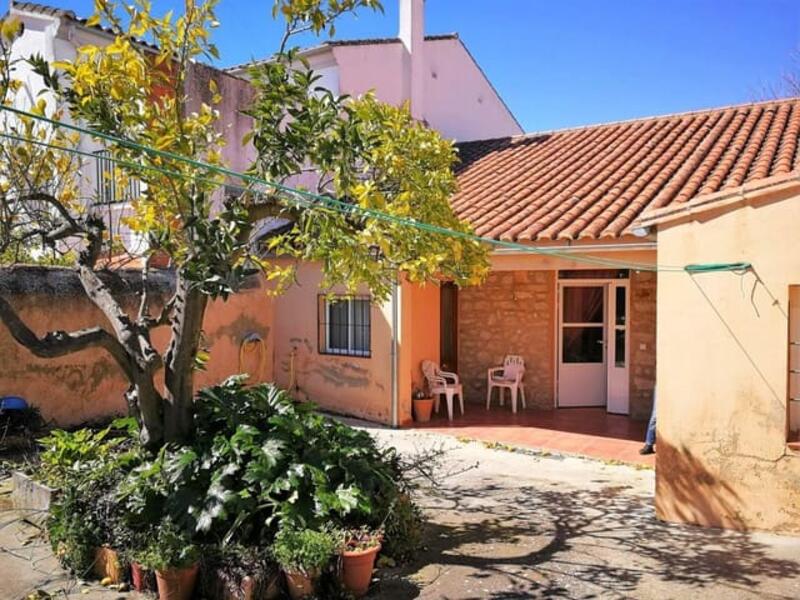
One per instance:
(412, 34)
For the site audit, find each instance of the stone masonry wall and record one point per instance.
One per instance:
(643, 344)
(513, 312)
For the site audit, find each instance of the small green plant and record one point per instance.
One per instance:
(403, 529)
(72, 531)
(361, 538)
(85, 454)
(304, 550)
(169, 548)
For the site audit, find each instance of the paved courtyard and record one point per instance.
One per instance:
(509, 524)
(526, 526)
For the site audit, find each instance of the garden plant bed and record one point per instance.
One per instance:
(31, 498)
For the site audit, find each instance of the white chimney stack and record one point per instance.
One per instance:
(412, 34)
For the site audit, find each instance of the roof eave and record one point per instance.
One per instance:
(778, 186)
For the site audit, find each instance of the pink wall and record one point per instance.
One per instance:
(458, 99)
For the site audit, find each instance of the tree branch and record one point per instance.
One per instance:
(61, 343)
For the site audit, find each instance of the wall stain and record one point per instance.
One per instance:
(239, 328)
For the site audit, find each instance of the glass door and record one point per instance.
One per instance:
(582, 345)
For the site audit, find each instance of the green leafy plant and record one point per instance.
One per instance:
(304, 550)
(361, 538)
(403, 529)
(72, 530)
(86, 454)
(169, 548)
(261, 461)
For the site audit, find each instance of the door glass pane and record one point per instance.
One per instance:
(582, 345)
(619, 348)
(583, 304)
(620, 306)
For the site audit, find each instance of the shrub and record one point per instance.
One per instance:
(260, 461)
(169, 548)
(71, 528)
(304, 550)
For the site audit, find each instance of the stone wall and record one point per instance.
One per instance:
(643, 343)
(513, 312)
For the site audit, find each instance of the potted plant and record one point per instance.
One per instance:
(235, 572)
(302, 553)
(359, 551)
(175, 561)
(423, 406)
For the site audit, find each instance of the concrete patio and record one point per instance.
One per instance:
(590, 432)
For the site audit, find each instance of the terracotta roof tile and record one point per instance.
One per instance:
(593, 182)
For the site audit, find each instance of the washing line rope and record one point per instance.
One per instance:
(312, 200)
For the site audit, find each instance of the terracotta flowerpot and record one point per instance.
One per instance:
(107, 565)
(176, 584)
(422, 409)
(301, 584)
(142, 579)
(357, 569)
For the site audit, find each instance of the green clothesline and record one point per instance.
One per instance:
(312, 200)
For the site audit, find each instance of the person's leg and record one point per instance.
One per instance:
(650, 436)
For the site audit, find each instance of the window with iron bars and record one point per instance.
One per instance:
(108, 189)
(344, 325)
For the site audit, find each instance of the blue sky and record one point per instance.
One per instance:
(572, 62)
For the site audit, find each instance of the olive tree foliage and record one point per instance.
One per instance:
(362, 155)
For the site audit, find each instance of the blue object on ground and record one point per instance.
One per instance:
(12, 403)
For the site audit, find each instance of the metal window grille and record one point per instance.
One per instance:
(345, 325)
(108, 190)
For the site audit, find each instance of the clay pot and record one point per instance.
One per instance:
(422, 409)
(107, 565)
(176, 584)
(357, 566)
(301, 584)
(142, 579)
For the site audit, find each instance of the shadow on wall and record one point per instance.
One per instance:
(686, 491)
(564, 544)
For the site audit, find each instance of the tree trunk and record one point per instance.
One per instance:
(179, 361)
(146, 404)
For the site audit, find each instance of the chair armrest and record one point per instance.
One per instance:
(447, 375)
(437, 380)
(494, 370)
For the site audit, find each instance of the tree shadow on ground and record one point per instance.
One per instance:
(487, 541)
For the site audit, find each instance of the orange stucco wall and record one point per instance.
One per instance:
(722, 370)
(352, 385)
(88, 385)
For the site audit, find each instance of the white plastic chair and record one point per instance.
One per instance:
(443, 383)
(509, 376)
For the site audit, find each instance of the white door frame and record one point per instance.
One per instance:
(616, 385)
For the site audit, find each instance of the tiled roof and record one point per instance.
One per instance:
(593, 182)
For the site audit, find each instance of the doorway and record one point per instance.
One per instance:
(593, 349)
(448, 334)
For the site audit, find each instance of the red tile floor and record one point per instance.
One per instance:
(584, 431)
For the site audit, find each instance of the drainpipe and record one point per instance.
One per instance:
(395, 404)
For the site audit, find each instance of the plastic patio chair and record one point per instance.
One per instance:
(443, 383)
(510, 377)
